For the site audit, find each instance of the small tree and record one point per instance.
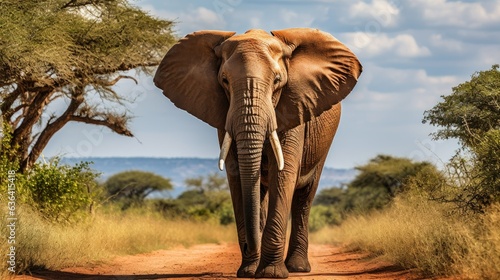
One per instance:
(132, 187)
(212, 182)
(208, 198)
(380, 180)
(69, 54)
(471, 114)
(471, 111)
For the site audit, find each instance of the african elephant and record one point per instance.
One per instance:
(275, 101)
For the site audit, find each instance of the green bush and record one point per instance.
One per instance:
(322, 215)
(63, 192)
(199, 206)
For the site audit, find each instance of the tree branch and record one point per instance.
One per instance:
(122, 67)
(106, 83)
(116, 127)
(52, 127)
(8, 101)
(22, 135)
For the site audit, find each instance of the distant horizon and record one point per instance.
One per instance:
(151, 157)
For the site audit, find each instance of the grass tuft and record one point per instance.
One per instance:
(416, 233)
(53, 246)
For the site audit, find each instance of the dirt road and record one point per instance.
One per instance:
(221, 262)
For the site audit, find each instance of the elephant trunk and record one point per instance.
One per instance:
(249, 149)
(252, 109)
(250, 120)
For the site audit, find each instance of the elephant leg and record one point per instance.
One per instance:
(297, 259)
(249, 262)
(281, 187)
(319, 136)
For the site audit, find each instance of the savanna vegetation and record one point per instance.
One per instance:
(440, 222)
(59, 61)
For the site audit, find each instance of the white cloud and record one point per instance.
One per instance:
(445, 44)
(371, 45)
(382, 11)
(190, 19)
(458, 13)
(408, 90)
(255, 22)
(292, 18)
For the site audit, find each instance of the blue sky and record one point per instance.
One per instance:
(412, 52)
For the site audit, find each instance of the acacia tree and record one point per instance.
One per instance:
(471, 114)
(471, 111)
(132, 187)
(73, 51)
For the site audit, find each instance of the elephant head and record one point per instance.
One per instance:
(254, 85)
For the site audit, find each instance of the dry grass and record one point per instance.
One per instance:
(419, 234)
(41, 244)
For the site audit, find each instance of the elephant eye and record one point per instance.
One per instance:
(277, 80)
(225, 81)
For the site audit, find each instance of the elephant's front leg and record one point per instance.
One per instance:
(281, 188)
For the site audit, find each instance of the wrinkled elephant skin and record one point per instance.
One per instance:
(275, 101)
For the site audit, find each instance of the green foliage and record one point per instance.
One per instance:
(6, 164)
(377, 184)
(71, 53)
(330, 196)
(380, 180)
(75, 39)
(208, 200)
(63, 192)
(323, 215)
(470, 111)
(131, 187)
(471, 114)
(212, 182)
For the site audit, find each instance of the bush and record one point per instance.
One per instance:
(322, 215)
(199, 205)
(43, 244)
(62, 193)
(417, 233)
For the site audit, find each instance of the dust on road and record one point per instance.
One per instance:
(212, 261)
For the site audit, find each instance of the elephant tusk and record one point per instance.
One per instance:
(224, 149)
(278, 153)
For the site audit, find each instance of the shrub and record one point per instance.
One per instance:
(43, 244)
(63, 192)
(322, 215)
(199, 205)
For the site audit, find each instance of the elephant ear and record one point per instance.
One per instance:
(188, 76)
(322, 71)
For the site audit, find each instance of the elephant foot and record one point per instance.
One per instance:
(247, 269)
(298, 264)
(272, 271)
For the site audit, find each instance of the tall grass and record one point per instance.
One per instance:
(416, 233)
(52, 246)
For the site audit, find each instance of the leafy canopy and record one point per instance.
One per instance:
(376, 184)
(132, 187)
(471, 114)
(59, 61)
(470, 111)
